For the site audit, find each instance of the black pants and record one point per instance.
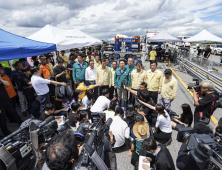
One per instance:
(101, 89)
(159, 135)
(159, 56)
(9, 111)
(13, 101)
(111, 94)
(132, 98)
(30, 99)
(154, 95)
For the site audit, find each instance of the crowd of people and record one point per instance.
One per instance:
(83, 84)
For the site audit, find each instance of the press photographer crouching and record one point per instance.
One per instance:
(185, 160)
(206, 105)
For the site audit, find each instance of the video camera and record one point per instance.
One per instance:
(93, 149)
(205, 149)
(196, 86)
(19, 150)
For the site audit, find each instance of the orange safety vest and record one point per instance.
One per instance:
(10, 90)
(45, 70)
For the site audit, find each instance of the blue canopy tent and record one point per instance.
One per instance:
(14, 47)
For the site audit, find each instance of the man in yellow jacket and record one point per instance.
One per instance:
(138, 76)
(153, 54)
(112, 72)
(154, 79)
(168, 90)
(97, 62)
(103, 76)
(85, 86)
(64, 57)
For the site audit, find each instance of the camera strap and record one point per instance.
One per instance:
(7, 159)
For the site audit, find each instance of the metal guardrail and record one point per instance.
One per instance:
(201, 72)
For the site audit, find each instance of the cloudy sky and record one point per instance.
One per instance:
(104, 19)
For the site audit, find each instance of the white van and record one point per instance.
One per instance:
(182, 43)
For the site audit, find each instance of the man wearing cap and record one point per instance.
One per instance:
(103, 76)
(11, 93)
(60, 75)
(27, 88)
(6, 108)
(120, 130)
(137, 77)
(15, 78)
(64, 57)
(44, 67)
(89, 56)
(153, 54)
(168, 91)
(10, 90)
(78, 71)
(154, 78)
(122, 79)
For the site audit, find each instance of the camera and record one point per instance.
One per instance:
(196, 86)
(98, 130)
(205, 149)
(19, 150)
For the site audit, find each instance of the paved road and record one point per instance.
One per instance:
(183, 96)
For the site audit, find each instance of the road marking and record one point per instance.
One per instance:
(212, 117)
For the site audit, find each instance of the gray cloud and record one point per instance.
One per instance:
(104, 19)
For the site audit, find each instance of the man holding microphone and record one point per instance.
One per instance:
(122, 79)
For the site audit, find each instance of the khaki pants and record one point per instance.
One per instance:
(122, 93)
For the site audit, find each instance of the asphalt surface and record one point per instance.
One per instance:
(183, 96)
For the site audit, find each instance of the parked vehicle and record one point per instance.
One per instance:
(216, 48)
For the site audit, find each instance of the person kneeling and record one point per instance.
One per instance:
(163, 128)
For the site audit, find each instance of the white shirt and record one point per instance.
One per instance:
(101, 104)
(167, 49)
(85, 101)
(164, 123)
(90, 74)
(40, 85)
(120, 130)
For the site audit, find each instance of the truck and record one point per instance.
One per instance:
(216, 48)
(182, 43)
(123, 48)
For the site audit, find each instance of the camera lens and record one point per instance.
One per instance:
(186, 135)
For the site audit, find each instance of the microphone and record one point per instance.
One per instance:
(124, 83)
(49, 119)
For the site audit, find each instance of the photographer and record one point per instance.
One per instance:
(62, 152)
(184, 160)
(205, 106)
(148, 113)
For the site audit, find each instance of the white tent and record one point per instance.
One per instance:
(163, 36)
(204, 36)
(64, 39)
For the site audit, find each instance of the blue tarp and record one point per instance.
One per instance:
(14, 47)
